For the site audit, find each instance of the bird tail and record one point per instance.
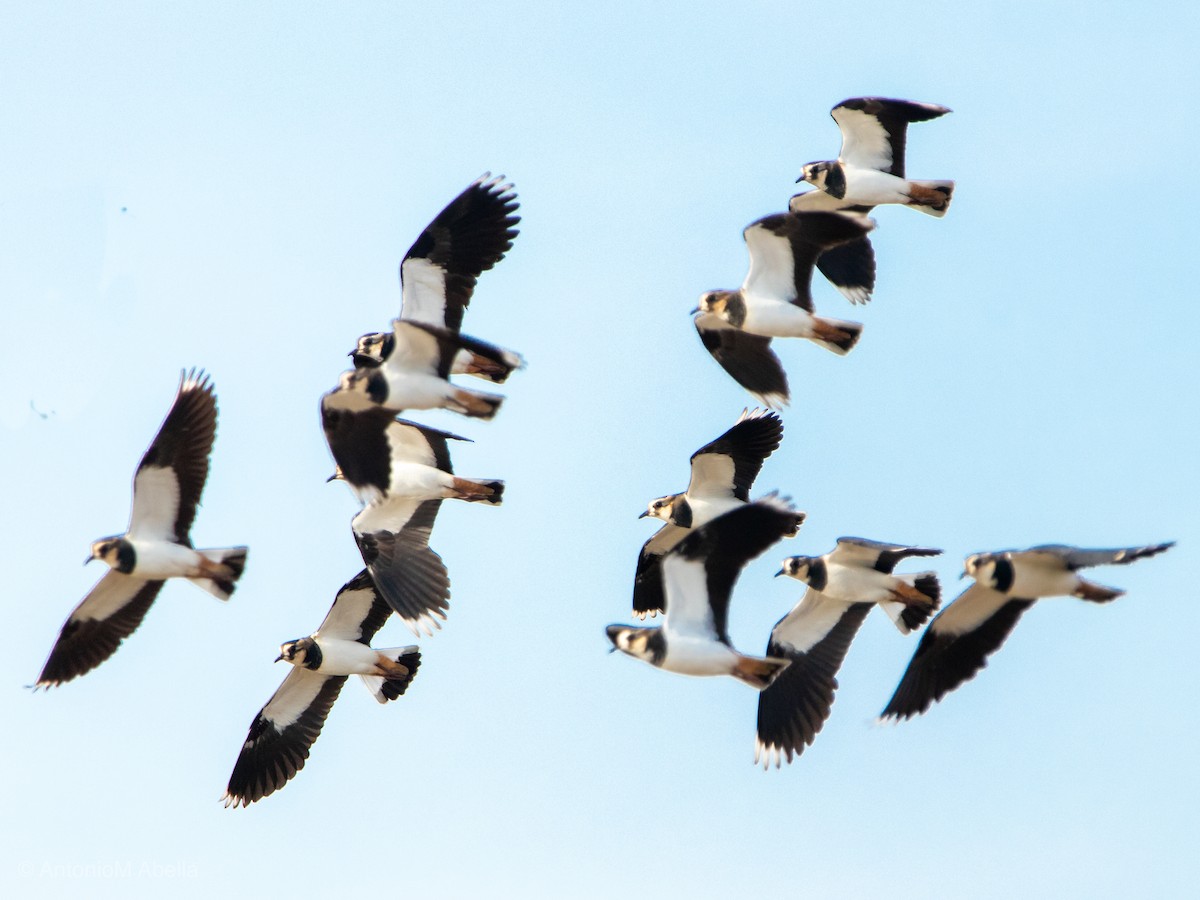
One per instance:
(222, 568)
(758, 672)
(835, 335)
(930, 197)
(495, 370)
(491, 492)
(477, 405)
(1097, 593)
(401, 664)
(922, 595)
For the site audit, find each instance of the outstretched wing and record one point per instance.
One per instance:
(111, 611)
(954, 648)
(280, 736)
(747, 358)
(815, 636)
(874, 129)
(728, 465)
(171, 475)
(468, 237)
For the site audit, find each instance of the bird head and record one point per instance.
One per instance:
(295, 652)
(814, 173)
(370, 350)
(796, 567)
(116, 551)
(661, 508)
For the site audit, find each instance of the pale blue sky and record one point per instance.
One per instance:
(230, 187)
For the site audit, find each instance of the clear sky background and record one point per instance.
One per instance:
(232, 186)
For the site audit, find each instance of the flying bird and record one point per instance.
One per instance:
(401, 471)
(775, 300)
(439, 272)
(843, 585)
(280, 736)
(962, 636)
(698, 576)
(415, 375)
(157, 544)
(723, 471)
(869, 171)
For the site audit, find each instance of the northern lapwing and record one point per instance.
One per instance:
(961, 637)
(439, 272)
(698, 576)
(775, 300)
(280, 736)
(157, 544)
(843, 585)
(723, 472)
(401, 472)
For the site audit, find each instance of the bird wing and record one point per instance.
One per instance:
(850, 268)
(773, 268)
(874, 128)
(468, 237)
(700, 571)
(747, 358)
(783, 274)
(393, 538)
(1073, 558)
(170, 478)
(358, 612)
(280, 736)
(111, 611)
(855, 551)
(728, 465)
(648, 596)
(815, 636)
(954, 648)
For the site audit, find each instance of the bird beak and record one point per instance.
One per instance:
(963, 575)
(644, 513)
(332, 477)
(800, 179)
(279, 658)
(780, 572)
(694, 311)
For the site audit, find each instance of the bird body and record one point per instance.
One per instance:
(156, 546)
(959, 640)
(869, 170)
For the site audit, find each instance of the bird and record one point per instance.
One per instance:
(723, 472)
(962, 636)
(415, 375)
(282, 732)
(843, 585)
(439, 272)
(698, 577)
(401, 471)
(775, 300)
(157, 544)
(869, 170)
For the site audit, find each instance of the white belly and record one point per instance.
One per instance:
(698, 657)
(872, 187)
(342, 657)
(419, 482)
(854, 584)
(1036, 581)
(775, 318)
(416, 390)
(162, 559)
(705, 509)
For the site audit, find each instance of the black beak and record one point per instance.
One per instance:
(332, 477)
(279, 658)
(780, 572)
(88, 560)
(800, 179)
(963, 575)
(644, 513)
(694, 311)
